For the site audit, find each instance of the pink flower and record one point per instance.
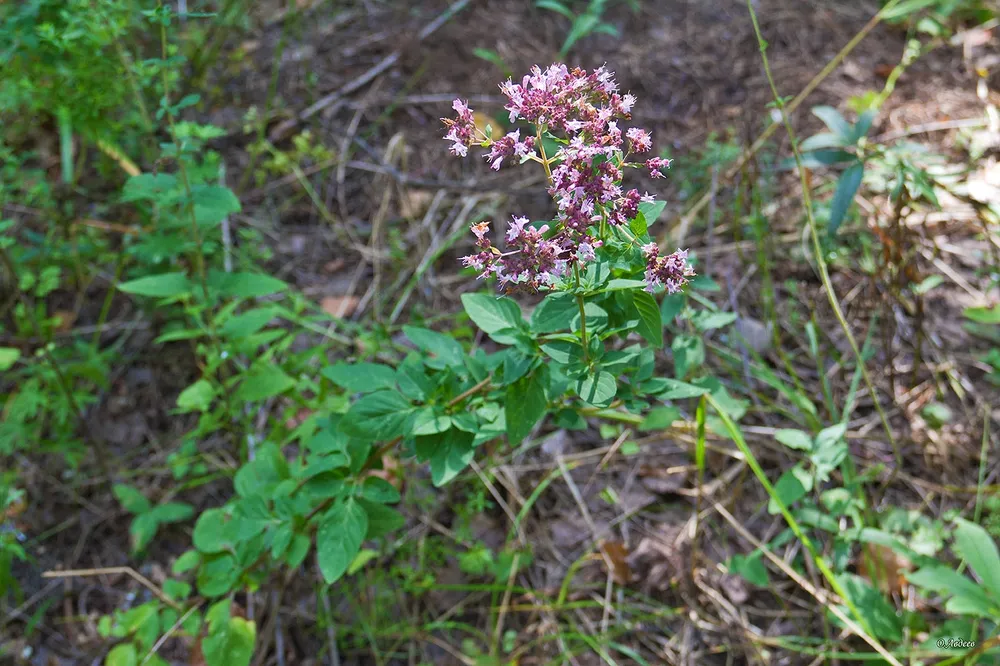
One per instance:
(647, 198)
(640, 139)
(656, 166)
(671, 271)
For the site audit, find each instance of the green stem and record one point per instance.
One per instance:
(817, 246)
(793, 524)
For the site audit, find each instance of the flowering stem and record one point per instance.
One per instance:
(583, 317)
(541, 149)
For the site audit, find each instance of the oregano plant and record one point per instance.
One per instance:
(586, 351)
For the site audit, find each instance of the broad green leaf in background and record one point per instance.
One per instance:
(678, 390)
(161, 286)
(197, 397)
(794, 439)
(689, 353)
(263, 382)
(751, 568)
(660, 418)
(791, 487)
(341, 532)
(361, 377)
(231, 644)
(847, 187)
(381, 519)
(131, 499)
(982, 315)
(8, 356)
(122, 655)
(245, 285)
(833, 120)
(878, 613)
(977, 547)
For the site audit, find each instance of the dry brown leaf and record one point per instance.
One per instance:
(339, 306)
(390, 472)
(414, 203)
(482, 120)
(614, 555)
(883, 567)
(66, 320)
(334, 265)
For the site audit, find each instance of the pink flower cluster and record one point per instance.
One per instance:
(671, 271)
(585, 173)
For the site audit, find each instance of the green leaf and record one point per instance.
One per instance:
(598, 390)
(189, 560)
(161, 286)
(907, 7)
(360, 560)
(197, 397)
(361, 377)
(650, 325)
(245, 285)
(847, 187)
(652, 211)
(248, 323)
(525, 405)
(493, 315)
(339, 538)
(449, 453)
(794, 439)
(232, 645)
(977, 548)
(983, 315)
(751, 568)
(832, 119)
(821, 158)
(445, 351)
(705, 320)
(217, 575)
(172, 512)
(381, 519)
(122, 655)
(678, 390)
(212, 203)
(638, 226)
(378, 489)
(142, 530)
(937, 578)
(878, 613)
(554, 313)
(211, 533)
(148, 186)
(131, 499)
(378, 416)
(563, 352)
(829, 451)
(689, 353)
(621, 284)
(791, 487)
(8, 357)
(824, 140)
(660, 418)
(263, 382)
